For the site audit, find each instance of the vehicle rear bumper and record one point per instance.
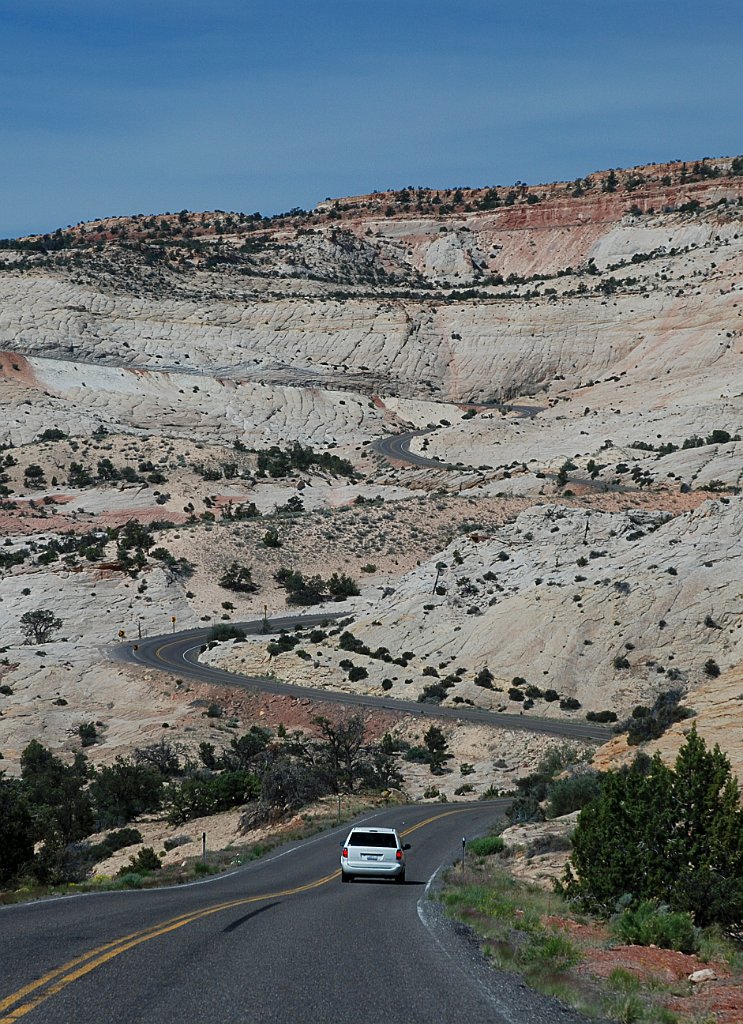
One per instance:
(361, 870)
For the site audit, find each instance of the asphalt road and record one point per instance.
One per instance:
(178, 653)
(278, 940)
(397, 448)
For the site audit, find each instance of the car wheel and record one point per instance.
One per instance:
(345, 877)
(401, 878)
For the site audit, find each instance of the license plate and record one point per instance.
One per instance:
(372, 856)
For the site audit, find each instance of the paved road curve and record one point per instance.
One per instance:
(397, 448)
(280, 940)
(178, 653)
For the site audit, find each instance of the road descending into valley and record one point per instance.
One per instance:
(278, 940)
(178, 654)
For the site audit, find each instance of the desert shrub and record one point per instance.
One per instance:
(342, 586)
(278, 463)
(238, 578)
(434, 693)
(652, 924)
(88, 733)
(348, 642)
(302, 590)
(145, 861)
(569, 703)
(485, 678)
(417, 754)
(243, 750)
(164, 757)
(285, 642)
(650, 723)
(114, 841)
(386, 684)
(200, 796)
(486, 846)
(123, 790)
(572, 794)
(532, 790)
(129, 879)
(601, 716)
(226, 631)
(549, 843)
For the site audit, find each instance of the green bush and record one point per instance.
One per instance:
(484, 678)
(123, 790)
(650, 723)
(651, 924)
(115, 841)
(434, 693)
(146, 860)
(225, 631)
(128, 879)
(201, 796)
(673, 834)
(486, 846)
(88, 733)
(17, 847)
(572, 794)
(239, 578)
(601, 716)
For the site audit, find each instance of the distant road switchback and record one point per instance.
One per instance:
(178, 653)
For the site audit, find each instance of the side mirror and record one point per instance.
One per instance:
(406, 846)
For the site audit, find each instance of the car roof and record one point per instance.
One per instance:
(365, 828)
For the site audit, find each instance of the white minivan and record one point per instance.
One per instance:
(373, 853)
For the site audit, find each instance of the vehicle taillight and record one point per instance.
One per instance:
(398, 855)
(345, 852)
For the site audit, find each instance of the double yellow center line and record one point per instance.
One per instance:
(27, 998)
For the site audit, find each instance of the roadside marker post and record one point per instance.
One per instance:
(203, 847)
(173, 621)
(464, 847)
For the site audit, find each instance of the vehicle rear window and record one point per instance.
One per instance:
(385, 839)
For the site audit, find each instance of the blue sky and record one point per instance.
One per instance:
(244, 105)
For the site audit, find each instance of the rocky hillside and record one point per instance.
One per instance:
(569, 353)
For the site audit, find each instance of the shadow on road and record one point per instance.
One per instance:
(382, 881)
(246, 917)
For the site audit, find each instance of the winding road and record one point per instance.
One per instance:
(178, 653)
(279, 940)
(396, 447)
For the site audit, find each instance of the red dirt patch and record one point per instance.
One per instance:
(720, 999)
(17, 368)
